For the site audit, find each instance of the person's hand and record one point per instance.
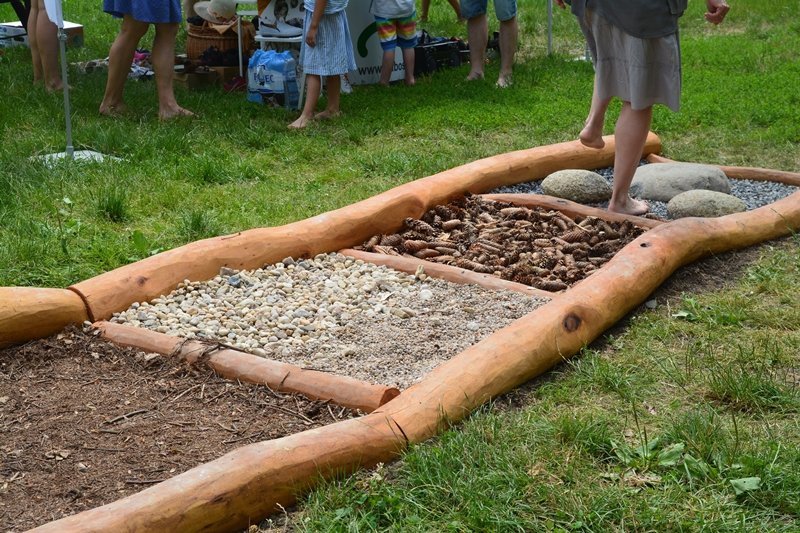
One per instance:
(311, 37)
(717, 9)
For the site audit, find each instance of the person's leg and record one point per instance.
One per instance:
(120, 57)
(313, 89)
(426, 5)
(408, 64)
(478, 34)
(407, 40)
(387, 64)
(456, 7)
(33, 42)
(387, 34)
(333, 89)
(592, 133)
(630, 135)
(47, 44)
(508, 47)
(163, 59)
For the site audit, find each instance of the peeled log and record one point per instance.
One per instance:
(446, 272)
(29, 313)
(250, 368)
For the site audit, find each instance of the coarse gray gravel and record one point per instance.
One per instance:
(336, 314)
(753, 193)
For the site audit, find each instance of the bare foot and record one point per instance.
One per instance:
(631, 206)
(504, 81)
(411, 81)
(113, 110)
(327, 114)
(472, 76)
(591, 139)
(174, 112)
(301, 122)
(423, 18)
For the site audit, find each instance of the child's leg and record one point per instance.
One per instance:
(120, 57)
(408, 63)
(333, 87)
(163, 59)
(386, 67)
(407, 40)
(313, 88)
(387, 34)
(33, 42)
(47, 44)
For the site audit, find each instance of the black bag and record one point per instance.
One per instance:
(434, 53)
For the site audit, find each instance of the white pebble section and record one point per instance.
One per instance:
(334, 313)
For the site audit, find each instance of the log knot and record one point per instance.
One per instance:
(571, 322)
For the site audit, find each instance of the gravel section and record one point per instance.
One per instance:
(335, 314)
(754, 194)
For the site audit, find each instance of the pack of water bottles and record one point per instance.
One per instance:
(272, 79)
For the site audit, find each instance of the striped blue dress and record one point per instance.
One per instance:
(150, 11)
(333, 54)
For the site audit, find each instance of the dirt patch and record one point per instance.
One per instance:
(537, 247)
(84, 422)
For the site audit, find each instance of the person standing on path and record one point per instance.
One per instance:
(478, 35)
(636, 54)
(137, 15)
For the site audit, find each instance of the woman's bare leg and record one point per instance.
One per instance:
(47, 48)
(313, 89)
(630, 136)
(163, 60)
(120, 57)
(33, 42)
(592, 133)
(477, 33)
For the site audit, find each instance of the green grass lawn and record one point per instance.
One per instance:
(687, 420)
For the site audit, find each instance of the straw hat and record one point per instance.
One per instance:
(217, 11)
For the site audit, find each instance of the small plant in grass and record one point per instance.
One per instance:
(718, 315)
(588, 434)
(113, 204)
(749, 385)
(197, 224)
(608, 376)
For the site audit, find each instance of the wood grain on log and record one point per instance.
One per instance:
(234, 364)
(30, 313)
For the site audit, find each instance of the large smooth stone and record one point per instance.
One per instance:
(662, 181)
(702, 203)
(582, 186)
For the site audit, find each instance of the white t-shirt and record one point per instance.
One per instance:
(392, 9)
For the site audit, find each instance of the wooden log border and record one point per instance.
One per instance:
(252, 481)
(249, 368)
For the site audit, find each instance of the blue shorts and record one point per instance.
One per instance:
(504, 9)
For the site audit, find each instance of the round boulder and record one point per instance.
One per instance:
(582, 186)
(702, 203)
(662, 181)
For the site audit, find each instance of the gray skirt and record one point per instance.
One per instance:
(640, 71)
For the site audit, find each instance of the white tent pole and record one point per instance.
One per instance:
(549, 27)
(62, 38)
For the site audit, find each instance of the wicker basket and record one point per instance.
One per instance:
(201, 38)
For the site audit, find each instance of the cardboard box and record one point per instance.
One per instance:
(16, 36)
